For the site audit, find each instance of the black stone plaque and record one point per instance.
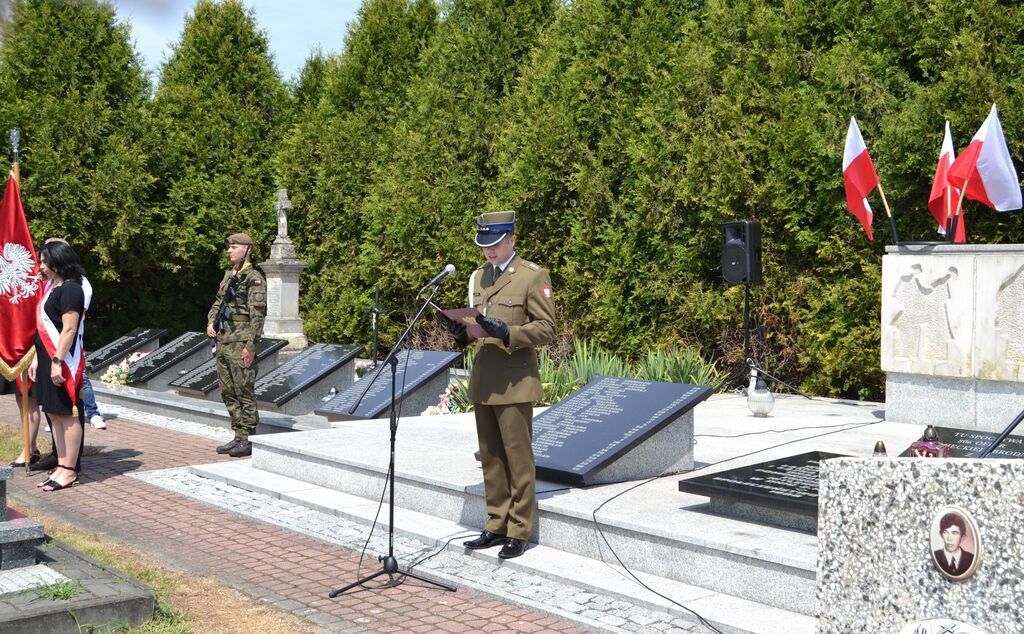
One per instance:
(588, 430)
(302, 371)
(415, 368)
(964, 443)
(203, 378)
(787, 484)
(167, 356)
(121, 347)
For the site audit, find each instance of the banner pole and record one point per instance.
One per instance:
(959, 209)
(24, 423)
(892, 223)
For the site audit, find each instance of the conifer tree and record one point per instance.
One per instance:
(330, 154)
(217, 116)
(437, 167)
(71, 82)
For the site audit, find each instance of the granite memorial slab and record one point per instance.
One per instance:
(617, 429)
(157, 369)
(201, 381)
(964, 443)
(421, 376)
(783, 492)
(299, 385)
(138, 340)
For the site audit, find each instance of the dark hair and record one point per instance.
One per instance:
(62, 260)
(953, 519)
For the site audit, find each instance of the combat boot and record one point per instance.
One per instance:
(228, 446)
(242, 449)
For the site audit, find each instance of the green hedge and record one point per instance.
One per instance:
(623, 132)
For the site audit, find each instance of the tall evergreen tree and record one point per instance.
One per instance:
(332, 151)
(71, 82)
(217, 116)
(438, 167)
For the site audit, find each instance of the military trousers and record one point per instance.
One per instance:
(237, 388)
(505, 433)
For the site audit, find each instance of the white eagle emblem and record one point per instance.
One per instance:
(16, 279)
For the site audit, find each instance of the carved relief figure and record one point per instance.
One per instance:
(1010, 321)
(922, 325)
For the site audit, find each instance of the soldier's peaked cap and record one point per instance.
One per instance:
(240, 238)
(492, 227)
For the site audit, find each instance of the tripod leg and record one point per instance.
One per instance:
(430, 581)
(358, 583)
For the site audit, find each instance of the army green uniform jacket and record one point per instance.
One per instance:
(522, 298)
(246, 311)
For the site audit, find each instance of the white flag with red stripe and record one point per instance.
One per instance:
(985, 171)
(859, 176)
(943, 198)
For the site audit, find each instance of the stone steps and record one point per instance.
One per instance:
(727, 613)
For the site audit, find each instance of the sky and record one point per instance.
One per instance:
(294, 27)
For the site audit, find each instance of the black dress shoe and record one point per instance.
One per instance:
(241, 450)
(228, 446)
(512, 548)
(486, 540)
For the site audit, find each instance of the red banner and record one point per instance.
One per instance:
(20, 284)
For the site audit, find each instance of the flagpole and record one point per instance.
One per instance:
(25, 436)
(892, 223)
(959, 209)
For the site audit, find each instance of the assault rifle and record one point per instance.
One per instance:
(224, 311)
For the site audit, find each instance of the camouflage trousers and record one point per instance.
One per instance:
(237, 388)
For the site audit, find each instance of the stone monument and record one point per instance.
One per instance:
(282, 271)
(953, 334)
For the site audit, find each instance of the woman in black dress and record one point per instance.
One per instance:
(62, 310)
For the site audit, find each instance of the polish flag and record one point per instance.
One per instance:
(985, 170)
(859, 176)
(943, 198)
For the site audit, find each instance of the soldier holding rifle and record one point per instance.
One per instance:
(236, 321)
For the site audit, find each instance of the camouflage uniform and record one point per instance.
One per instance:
(242, 328)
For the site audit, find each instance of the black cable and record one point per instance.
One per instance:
(779, 431)
(604, 538)
(441, 549)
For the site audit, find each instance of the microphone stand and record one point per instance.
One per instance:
(389, 565)
(761, 372)
(374, 313)
(1006, 432)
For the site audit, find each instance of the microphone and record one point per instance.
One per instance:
(445, 272)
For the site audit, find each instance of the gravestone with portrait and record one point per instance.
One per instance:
(138, 340)
(282, 270)
(157, 369)
(421, 376)
(783, 492)
(616, 429)
(922, 545)
(300, 384)
(201, 381)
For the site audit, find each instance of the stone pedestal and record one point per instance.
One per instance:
(953, 334)
(18, 534)
(283, 270)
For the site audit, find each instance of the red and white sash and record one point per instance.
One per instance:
(73, 365)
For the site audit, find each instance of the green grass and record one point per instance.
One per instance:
(60, 591)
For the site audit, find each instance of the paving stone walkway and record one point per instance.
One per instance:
(136, 490)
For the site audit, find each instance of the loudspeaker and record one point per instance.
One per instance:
(741, 252)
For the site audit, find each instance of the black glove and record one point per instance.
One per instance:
(458, 332)
(494, 327)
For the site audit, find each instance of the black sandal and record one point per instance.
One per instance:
(34, 458)
(57, 486)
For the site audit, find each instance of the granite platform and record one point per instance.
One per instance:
(742, 576)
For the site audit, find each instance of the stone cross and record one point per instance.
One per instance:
(282, 206)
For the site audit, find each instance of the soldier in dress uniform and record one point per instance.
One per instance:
(518, 313)
(240, 330)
